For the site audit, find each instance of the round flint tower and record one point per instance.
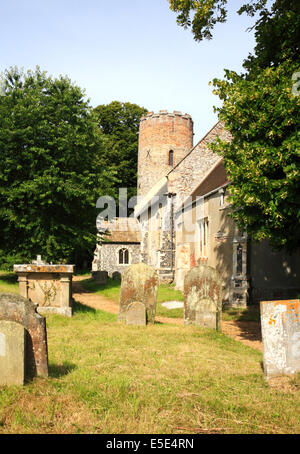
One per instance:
(164, 140)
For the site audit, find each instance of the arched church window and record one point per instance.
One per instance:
(123, 257)
(171, 158)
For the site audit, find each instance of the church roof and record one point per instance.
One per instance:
(120, 230)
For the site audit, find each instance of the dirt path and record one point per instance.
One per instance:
(248, 333)
(93, 300)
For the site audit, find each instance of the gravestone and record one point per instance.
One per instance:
(100, 277)
(139, 283)
(12, 353)
(203, 297)
(280, 326)
(116, 276)
(136, 314)
(22, 312)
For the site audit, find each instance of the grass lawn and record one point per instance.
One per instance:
(107, 377)
(8, 282)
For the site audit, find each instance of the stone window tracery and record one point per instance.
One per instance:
(123, 256)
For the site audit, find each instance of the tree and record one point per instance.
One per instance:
(50, 168)
(119, 123)
(277, 29)
(261, 110)
(263, 158)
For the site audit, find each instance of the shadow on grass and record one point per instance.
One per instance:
(89, 313)
(9, 278)
(79, 308)
(93, 286)
(60, 370)
(248, 314)
(247, 320)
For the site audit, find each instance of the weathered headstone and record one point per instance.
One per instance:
(16, 309)
(203, 297)
(12, 353)
(100, 277)
(50, 286)
(280, 325)
(136, 314)
(116, 276)
(139, 283)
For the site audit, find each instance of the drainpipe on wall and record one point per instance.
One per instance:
(171, 195)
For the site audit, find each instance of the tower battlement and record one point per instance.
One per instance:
(164, 114)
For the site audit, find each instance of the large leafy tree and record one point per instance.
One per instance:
(263, 158)
(261, 110)
(50, 168)
(119, 123)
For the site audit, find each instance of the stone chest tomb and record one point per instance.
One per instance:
(49, 286)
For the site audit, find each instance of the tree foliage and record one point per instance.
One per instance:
(119, 123)
(50, 168)
(277, 28)
(261, 111)
(263, 159)
(202, 15)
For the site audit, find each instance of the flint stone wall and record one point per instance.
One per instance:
(139, 283)
(108, 257)
(280, 325)
(15, 308)
(203, 297)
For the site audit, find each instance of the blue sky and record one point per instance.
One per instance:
(125, 50)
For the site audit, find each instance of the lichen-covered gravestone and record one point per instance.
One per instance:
(22, 336)
(280, 325)
(139, 284)
(203, 297)
(136, 314)
(12, 353)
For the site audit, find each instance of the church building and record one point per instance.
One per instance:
(181, 218)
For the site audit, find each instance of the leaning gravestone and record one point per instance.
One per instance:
(139, 284)
(203, 297)
(280, 326)
(12, 353)
(18, 316)
(136, 314)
